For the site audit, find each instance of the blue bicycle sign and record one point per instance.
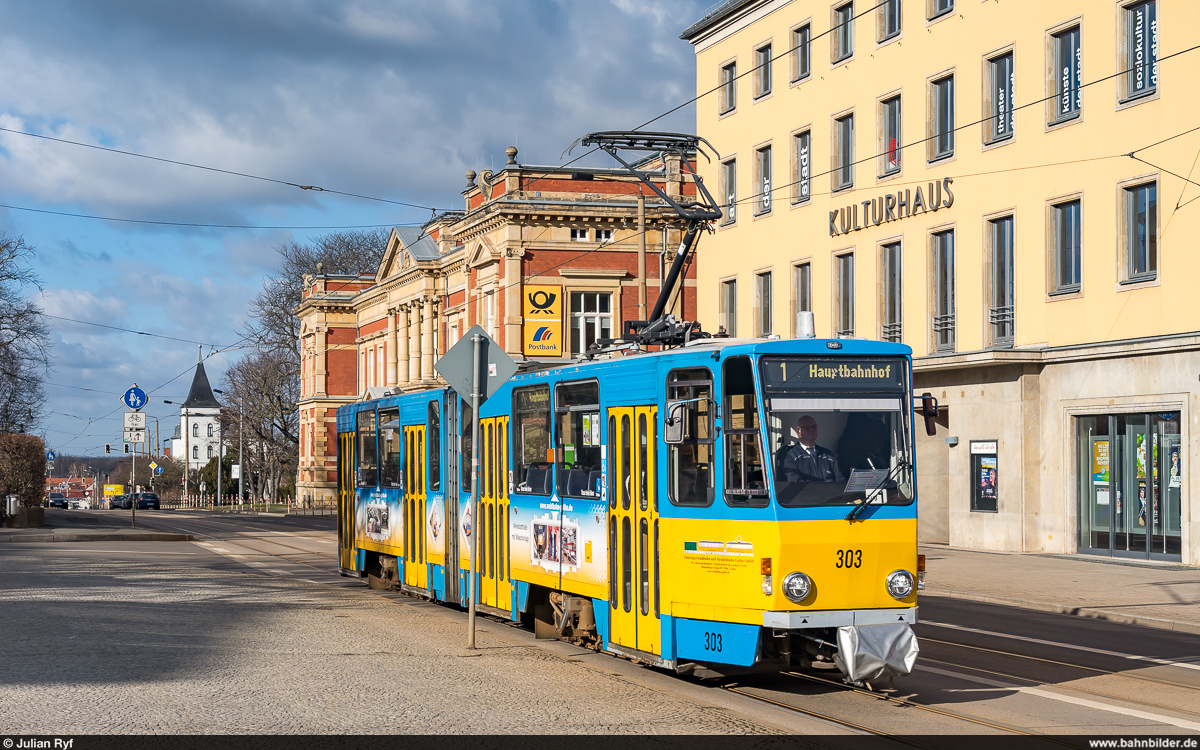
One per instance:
(134, 398)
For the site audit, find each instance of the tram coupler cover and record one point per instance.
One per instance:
(868, 652)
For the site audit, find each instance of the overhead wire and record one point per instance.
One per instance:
(129, 330)
(196, 225)
(247, 175)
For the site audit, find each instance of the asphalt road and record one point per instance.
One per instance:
(252, 592)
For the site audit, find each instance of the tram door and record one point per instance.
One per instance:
(633, 529)
(345, 467)
(415, 572)
(493, 515)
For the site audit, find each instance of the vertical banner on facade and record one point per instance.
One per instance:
(542, 312)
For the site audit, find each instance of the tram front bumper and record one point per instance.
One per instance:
(838, 618)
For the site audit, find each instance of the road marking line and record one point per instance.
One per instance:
(1101, 651)
(1039, 692)
(124, 551)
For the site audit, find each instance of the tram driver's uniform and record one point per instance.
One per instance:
(805, 464)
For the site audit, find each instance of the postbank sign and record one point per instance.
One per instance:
(542, 313)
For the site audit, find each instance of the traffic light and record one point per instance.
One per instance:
(107, 448)
(127, 447)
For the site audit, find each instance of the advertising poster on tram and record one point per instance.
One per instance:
(378, 521)
(549, 536)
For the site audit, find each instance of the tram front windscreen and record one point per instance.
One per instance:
(838, 430)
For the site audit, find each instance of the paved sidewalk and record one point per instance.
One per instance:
(91, 526)
(1159, 596)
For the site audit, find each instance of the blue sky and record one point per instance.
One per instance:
(387, 99)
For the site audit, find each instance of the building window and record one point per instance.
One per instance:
(604, 235)
(802, 287)
(843, 149)
(844, 265)
(891, 328)
(762, 303)
(489, 303)
(728, 87)
(762, 79)
(843, 32)
(999, 98)
(196, 451)
(762, 165)
(1068, 74)
(890, 115)
(579, 235)
(939, 8)
(591, 319)
(802, 157)
(210, 430)
(1068, 231)
(195, 430)
(210, 451)
(941, 142)
(1141, 244)
(1001, 315)
(943, 291)
(889, 19)
(729, 189)
(729, 307)
(1141, 49)
(801, 52)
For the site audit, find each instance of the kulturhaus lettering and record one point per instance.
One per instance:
(891, 207)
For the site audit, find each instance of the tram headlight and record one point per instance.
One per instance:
(900, 584)
(797, 587)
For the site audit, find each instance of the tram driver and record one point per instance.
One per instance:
(806, 461)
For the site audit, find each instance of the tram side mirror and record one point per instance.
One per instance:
(676, 422)
(929, 410)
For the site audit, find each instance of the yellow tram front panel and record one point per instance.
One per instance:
(732, 571)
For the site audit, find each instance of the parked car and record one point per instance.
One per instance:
(148, 501)
(57, 500)
(120, 502)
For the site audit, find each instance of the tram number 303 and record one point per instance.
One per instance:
(712, 642)
(849, 558)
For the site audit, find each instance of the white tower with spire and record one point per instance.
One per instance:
(199, 433)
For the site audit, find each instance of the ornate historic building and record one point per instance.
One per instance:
(545, 259)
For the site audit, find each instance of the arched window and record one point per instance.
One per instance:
(195, 451)
(210, 451)
(195, 430)
(210, 433)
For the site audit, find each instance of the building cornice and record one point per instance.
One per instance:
(1053, 355)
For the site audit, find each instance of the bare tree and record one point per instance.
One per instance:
(261, 391)
(24, 339)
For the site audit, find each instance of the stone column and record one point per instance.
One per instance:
(427, 340)
(402, 346)
(414, 341)
(392, 348)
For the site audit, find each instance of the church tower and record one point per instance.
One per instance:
(198, 430)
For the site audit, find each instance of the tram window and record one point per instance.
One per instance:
(368, 476)
(625, 488)
(656, 607)
(577, 440)
(745, 477)
(626, 565)
(466, 454)
(489, 463)
(612, 561)
(533, 459)
(690, 463)
(643, 470)
(433, 429)
(389, 448)
(612, 463)
(644, 566)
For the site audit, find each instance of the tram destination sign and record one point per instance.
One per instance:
(824, 374)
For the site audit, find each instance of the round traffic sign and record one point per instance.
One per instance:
(51, 455)
(134, 398)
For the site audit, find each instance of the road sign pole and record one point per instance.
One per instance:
(133, 488)
(476, 394)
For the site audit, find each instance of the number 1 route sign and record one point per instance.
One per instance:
(134, 398)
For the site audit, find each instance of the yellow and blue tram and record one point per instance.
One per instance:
(746, 503)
